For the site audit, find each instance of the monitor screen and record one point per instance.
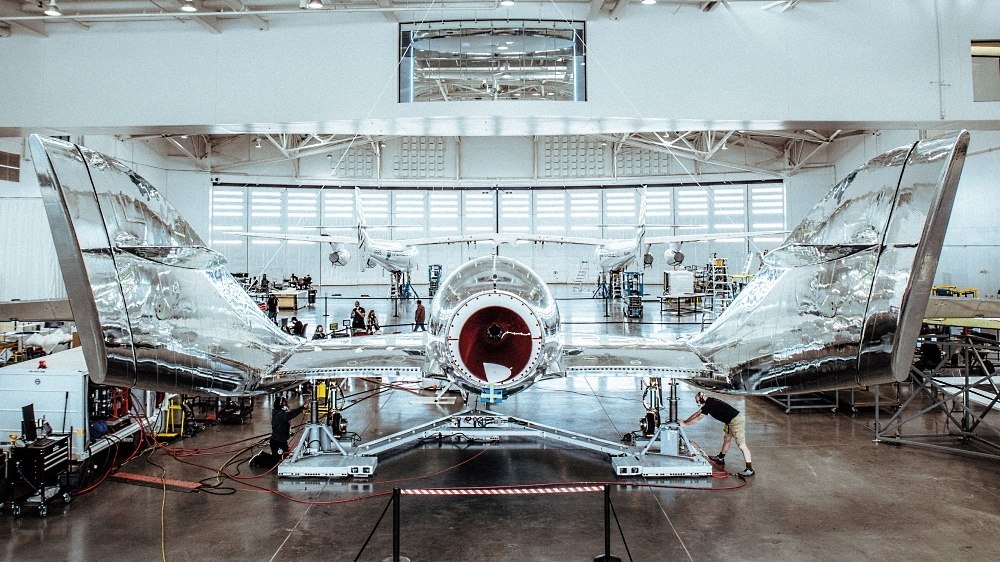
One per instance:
(28, 428)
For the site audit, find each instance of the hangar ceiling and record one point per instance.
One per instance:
(786, 151)
(45, 17)
(778, 153)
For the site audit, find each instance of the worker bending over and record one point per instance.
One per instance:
(733, 428)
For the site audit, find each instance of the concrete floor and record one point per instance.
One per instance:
(823, 491)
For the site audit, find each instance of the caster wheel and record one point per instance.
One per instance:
(15, 510)
(67, 497)
(43, 510)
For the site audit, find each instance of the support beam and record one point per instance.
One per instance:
(238, 6)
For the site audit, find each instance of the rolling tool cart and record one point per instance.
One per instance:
(36, 471)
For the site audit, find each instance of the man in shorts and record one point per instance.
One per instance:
(733, 428)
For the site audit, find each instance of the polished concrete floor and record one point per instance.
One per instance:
(823, 490)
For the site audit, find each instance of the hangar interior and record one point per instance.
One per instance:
(556, 119)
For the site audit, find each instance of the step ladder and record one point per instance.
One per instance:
(582, 274)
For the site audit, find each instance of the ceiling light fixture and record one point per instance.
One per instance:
(314, 4)
(188, 6)
(649, 2)
(256, 142)
(53, 8)
(507, 3)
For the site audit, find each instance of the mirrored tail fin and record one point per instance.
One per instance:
(841, 302)
(154, 306)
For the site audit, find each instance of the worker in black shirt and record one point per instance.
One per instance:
(733, 428)
(281, 425)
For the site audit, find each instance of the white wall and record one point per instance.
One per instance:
(655, 69)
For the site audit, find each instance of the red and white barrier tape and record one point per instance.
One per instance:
(498, 491)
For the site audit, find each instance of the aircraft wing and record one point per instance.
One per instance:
(554, 239)
(630, 356)
(299, 237)
(680, 238)
(363, 356)
(494, 239)
(962, 307)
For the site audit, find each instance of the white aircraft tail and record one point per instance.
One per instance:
(359, 214)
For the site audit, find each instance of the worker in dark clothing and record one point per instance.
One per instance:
(358, 316)
(272, 307)
(419, 317)
(733, 428)
(281, 426)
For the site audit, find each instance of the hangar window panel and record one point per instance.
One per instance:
(302, 203)
(621, 204)
(767, 211)
(10, 166)
(267, 210)
(227, 213)
(691, 210)
(338, 207)
(585, 212)
(483, 60)
(729, 211)
(444, 213)
(659, 211)
(480, 211)
(301, 213)
(515, 211)
(376, 212)
(620, 213)
(550, 212)
(409, 214)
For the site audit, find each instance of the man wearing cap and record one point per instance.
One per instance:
(733, 428)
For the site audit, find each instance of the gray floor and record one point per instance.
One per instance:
(823, 491)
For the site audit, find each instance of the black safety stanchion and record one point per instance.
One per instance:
(607, 557)
(395, 524)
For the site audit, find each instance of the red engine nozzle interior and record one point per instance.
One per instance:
(494, 335)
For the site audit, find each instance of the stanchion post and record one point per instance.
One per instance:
(607, 557)
(395, 524)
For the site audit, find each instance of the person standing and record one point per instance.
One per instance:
(358, 316)
(733, 428)
(420, 317)
(281, 426)
(272, 307)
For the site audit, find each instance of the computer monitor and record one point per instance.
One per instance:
(28, 428)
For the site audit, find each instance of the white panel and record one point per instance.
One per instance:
(445, 213)
(30, 268)
(515, 211)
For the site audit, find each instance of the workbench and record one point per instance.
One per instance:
(291, 299)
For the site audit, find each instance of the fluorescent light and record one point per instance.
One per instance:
(188, 6)
(53, 8)
(649, 2)
(314, 4)
(506, 3)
